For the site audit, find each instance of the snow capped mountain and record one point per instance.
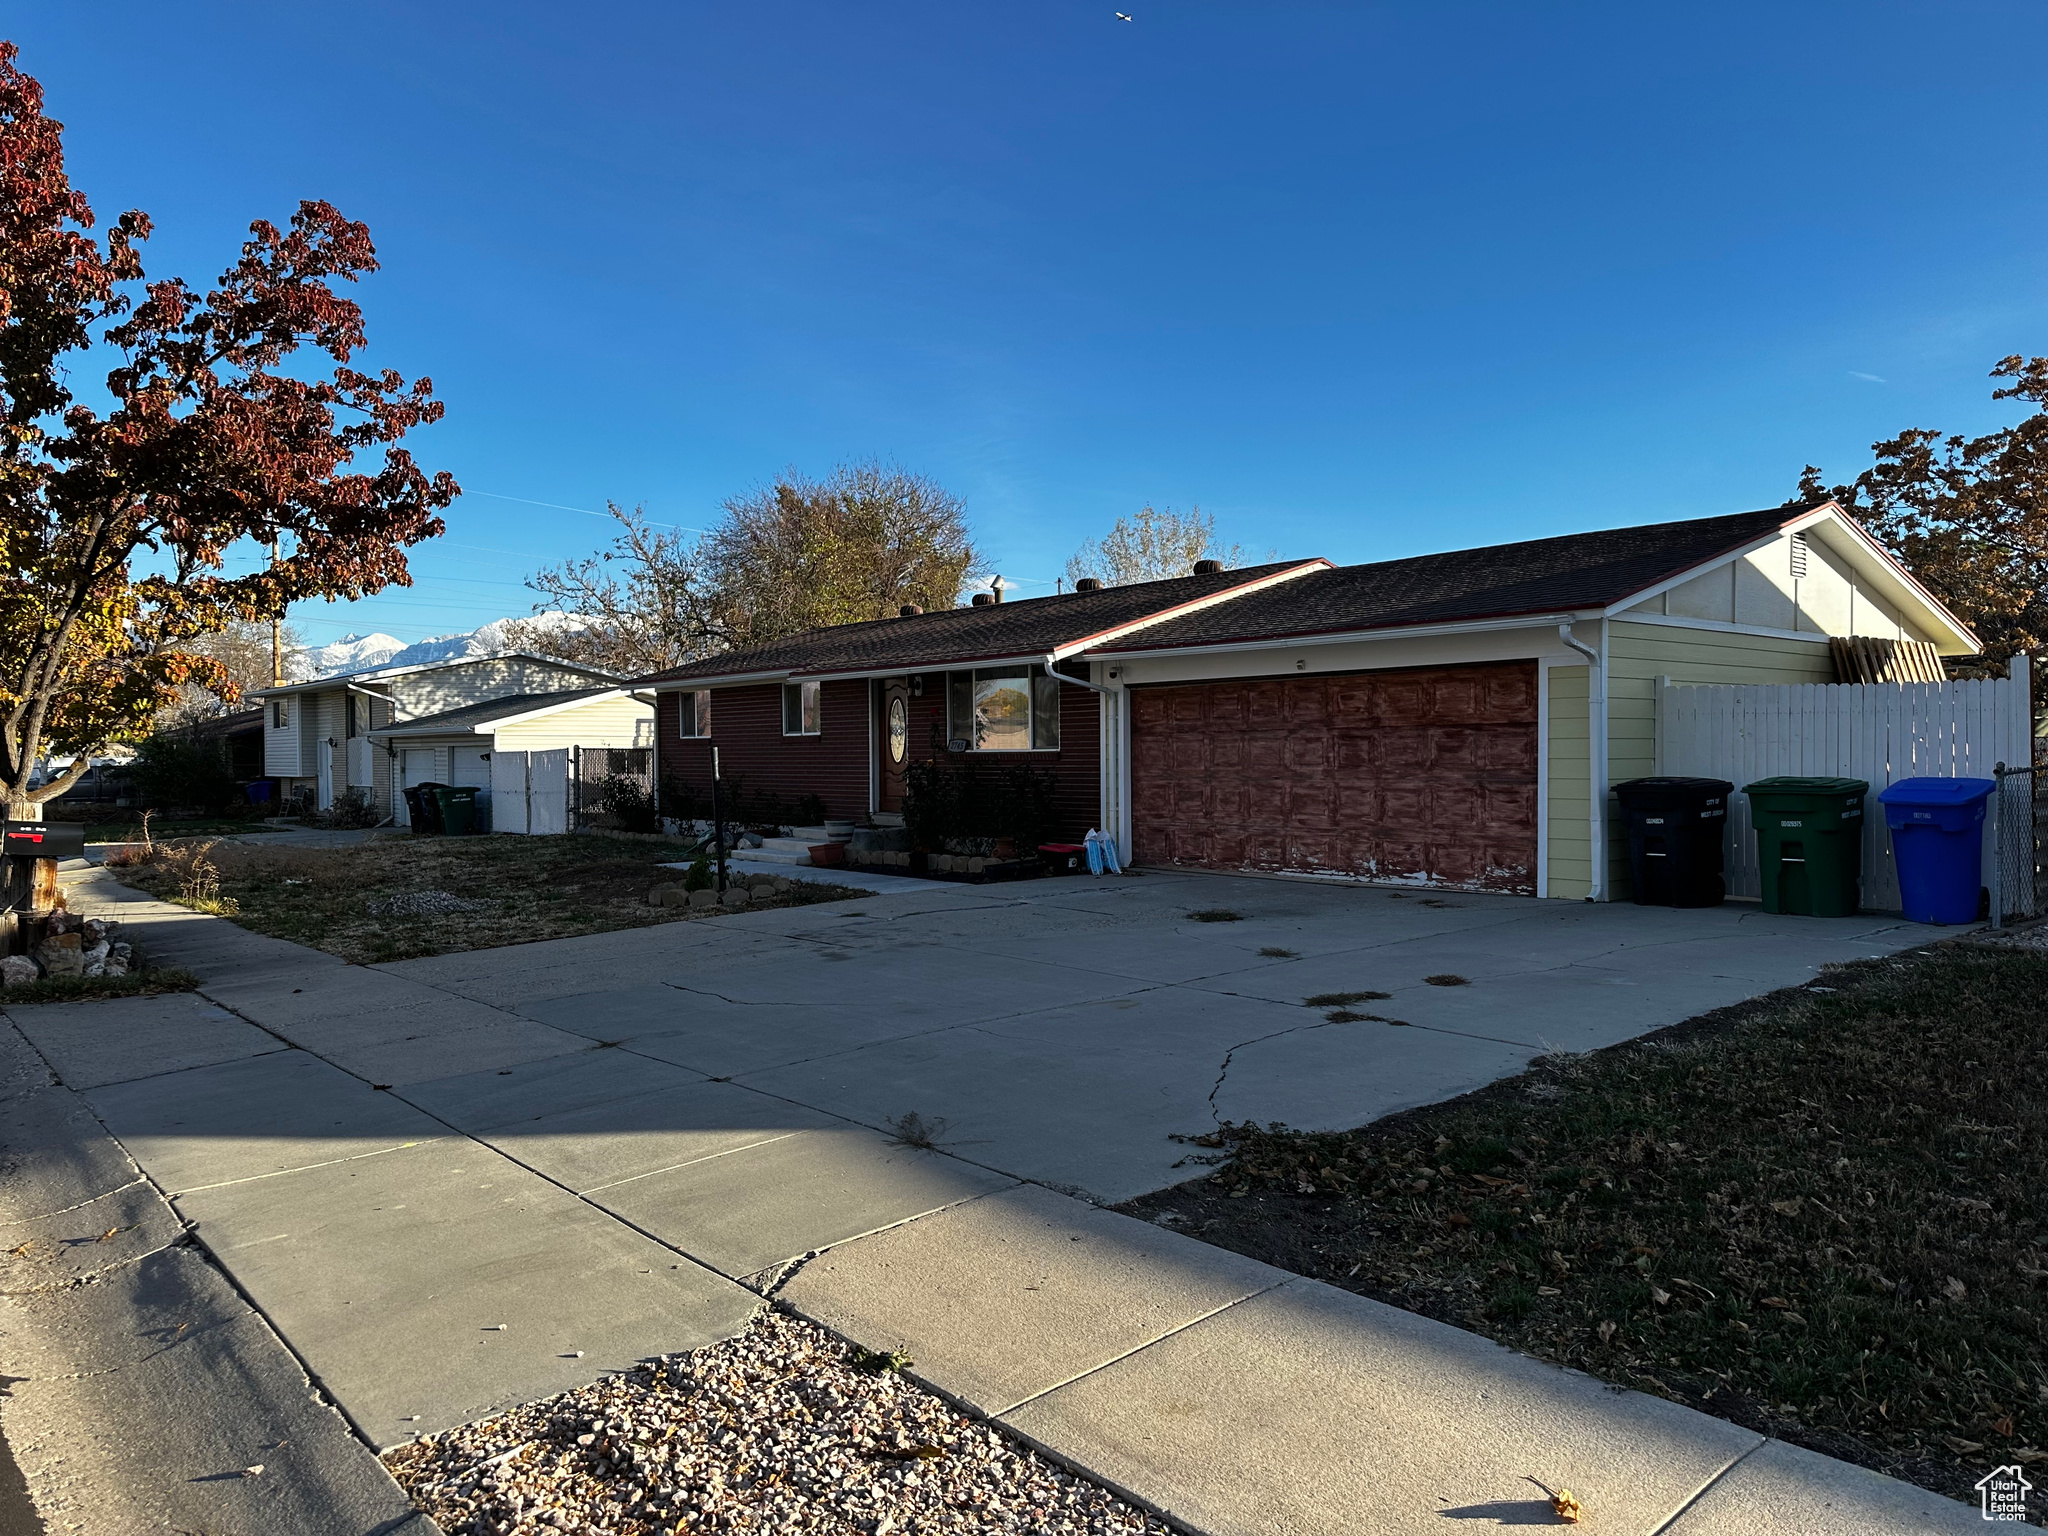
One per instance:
(358, 653)
(351, 653)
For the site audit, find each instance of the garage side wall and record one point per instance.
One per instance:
(1639, 654)
(1570, 834)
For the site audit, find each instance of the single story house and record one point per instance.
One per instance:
(1449, 720)
(317, 734)
(459, 746)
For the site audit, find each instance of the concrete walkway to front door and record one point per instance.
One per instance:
(442, 1180)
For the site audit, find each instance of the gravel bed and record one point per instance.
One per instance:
(777, 1430)
(423, 904)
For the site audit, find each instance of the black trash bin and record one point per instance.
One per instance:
(423, 808)
(1675, 829)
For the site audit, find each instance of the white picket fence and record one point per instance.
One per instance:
(530, 791)
(1879, 732)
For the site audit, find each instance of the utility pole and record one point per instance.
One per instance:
(276, 632)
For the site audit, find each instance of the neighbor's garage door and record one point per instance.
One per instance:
(1425, 775)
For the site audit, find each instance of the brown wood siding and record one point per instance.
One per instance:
(1076, 768)
(746, 725)
(1423, 775)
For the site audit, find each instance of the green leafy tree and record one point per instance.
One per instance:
(794, 555)
(1968, 516)
(115, 521)
(1152, 544)
(800, 553)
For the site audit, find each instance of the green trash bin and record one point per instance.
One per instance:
(458, 809)
(1809, 836)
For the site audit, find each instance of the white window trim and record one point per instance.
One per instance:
(1033, 671)
(820, 687)
(698, 716)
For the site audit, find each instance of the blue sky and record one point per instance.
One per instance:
(1360, 280)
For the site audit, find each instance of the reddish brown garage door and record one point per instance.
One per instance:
(1424, 775)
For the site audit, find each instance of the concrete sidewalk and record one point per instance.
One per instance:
(141, 1388)
(441, 1180)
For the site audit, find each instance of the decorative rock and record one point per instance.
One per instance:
(654, 895)
(116, 966)
(780, 884)
(704, 898)
(738, 896)
(95, 957)
(93, 932)
(17, 971)
(61, 954)
(976, 866)
(674, 896)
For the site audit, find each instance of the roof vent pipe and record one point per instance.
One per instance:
(1208, 567)
(909, 611)
(1087, 584)
(983, 599)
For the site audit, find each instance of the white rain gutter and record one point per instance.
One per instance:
(1596, 753)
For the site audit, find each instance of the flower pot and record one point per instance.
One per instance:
(1005, 848)
(838, 831)
(828, 853)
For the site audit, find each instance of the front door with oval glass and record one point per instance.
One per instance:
(892, 742)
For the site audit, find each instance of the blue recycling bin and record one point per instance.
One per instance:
(1937, 828)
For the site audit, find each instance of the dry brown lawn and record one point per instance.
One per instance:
(396, 898)
(1821, 1214)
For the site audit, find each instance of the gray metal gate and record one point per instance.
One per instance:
(2020, 828)
(611, 788)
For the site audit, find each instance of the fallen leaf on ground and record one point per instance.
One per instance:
(1568, 1508)
(1776, 1304)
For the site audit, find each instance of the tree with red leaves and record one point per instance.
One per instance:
(115, 524)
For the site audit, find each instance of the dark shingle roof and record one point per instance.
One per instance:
(1032, 627)
(470, 715)
(1580, 570)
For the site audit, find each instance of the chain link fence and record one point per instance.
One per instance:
(611, 789)
(2020, 807)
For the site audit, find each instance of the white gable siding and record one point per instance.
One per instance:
(1759, 591)
(602, 723)
(475, 682)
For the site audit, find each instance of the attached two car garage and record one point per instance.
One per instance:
(1425, 775)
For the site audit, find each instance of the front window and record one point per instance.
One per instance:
(1003, 709)
(800, 709)
(280, 713)
(695, 712)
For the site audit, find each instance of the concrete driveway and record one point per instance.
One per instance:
(1061, 1032)
(461, 1183)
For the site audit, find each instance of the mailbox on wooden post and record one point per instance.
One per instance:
(29, 851)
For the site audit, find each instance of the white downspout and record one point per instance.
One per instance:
(1596, 752)
(1109, 757)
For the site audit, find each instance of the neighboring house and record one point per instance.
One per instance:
(317, 734)
(459, 746)
(241, 732)
(1440, 720)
